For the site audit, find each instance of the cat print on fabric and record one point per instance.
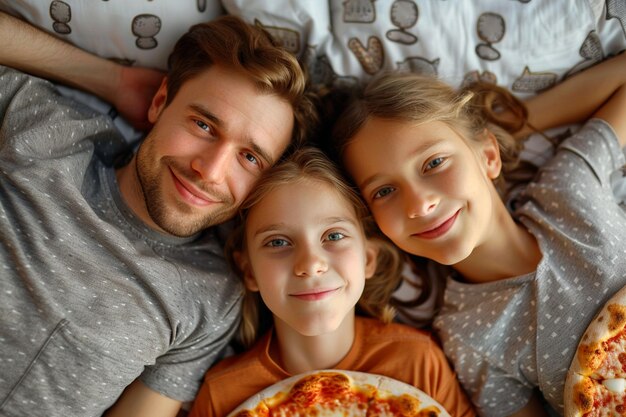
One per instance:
(419, 65)
(533, 82)
(322, 72)
(591, 51)
(616, 9)
(474, 77)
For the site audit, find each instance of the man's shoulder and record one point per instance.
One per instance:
(38, 122)
(12, 81)
(18, 87)
(12, 72)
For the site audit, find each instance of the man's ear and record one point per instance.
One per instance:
(371, 258)
(490, 153)
(242, 261)
(158, 102)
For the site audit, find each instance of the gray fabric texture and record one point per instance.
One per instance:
(92, 298)
(507, 337)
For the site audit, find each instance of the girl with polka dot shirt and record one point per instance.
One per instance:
(521, 288)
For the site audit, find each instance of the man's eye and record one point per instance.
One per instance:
(274, 243)
(383, 192)
(335, 236)
(203, 126)
(434, 163)
(251, 158)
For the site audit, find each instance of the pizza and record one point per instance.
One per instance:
(340, 393)
(596, 381)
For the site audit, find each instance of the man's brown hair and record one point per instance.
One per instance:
(231, 42)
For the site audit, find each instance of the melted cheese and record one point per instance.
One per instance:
(615, 384)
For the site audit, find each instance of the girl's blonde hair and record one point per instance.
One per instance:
(306, 165)
(471, 112)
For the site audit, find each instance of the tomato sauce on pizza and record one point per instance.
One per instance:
(338, 393)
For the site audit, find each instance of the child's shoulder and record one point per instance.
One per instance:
(241, 364)
(238, 364)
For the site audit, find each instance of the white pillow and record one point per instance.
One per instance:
(132, 31)
(524, 45)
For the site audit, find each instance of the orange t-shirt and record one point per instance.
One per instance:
(393, 350)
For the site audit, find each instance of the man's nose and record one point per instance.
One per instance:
(213, 164)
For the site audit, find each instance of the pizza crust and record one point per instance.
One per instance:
(596, 358)
(580, 391)
(609, 322)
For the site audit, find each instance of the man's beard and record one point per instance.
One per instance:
(178, 219)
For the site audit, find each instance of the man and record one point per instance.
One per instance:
(114, 291)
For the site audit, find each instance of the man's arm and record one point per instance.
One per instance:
(138, 400)
(129, 89)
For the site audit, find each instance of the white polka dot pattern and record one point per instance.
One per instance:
(92, 298)
(505, 338)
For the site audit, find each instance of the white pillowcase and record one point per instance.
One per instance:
(525, 45)
(138, 32)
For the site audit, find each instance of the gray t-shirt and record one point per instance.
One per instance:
(92, 298)
(507, 337)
